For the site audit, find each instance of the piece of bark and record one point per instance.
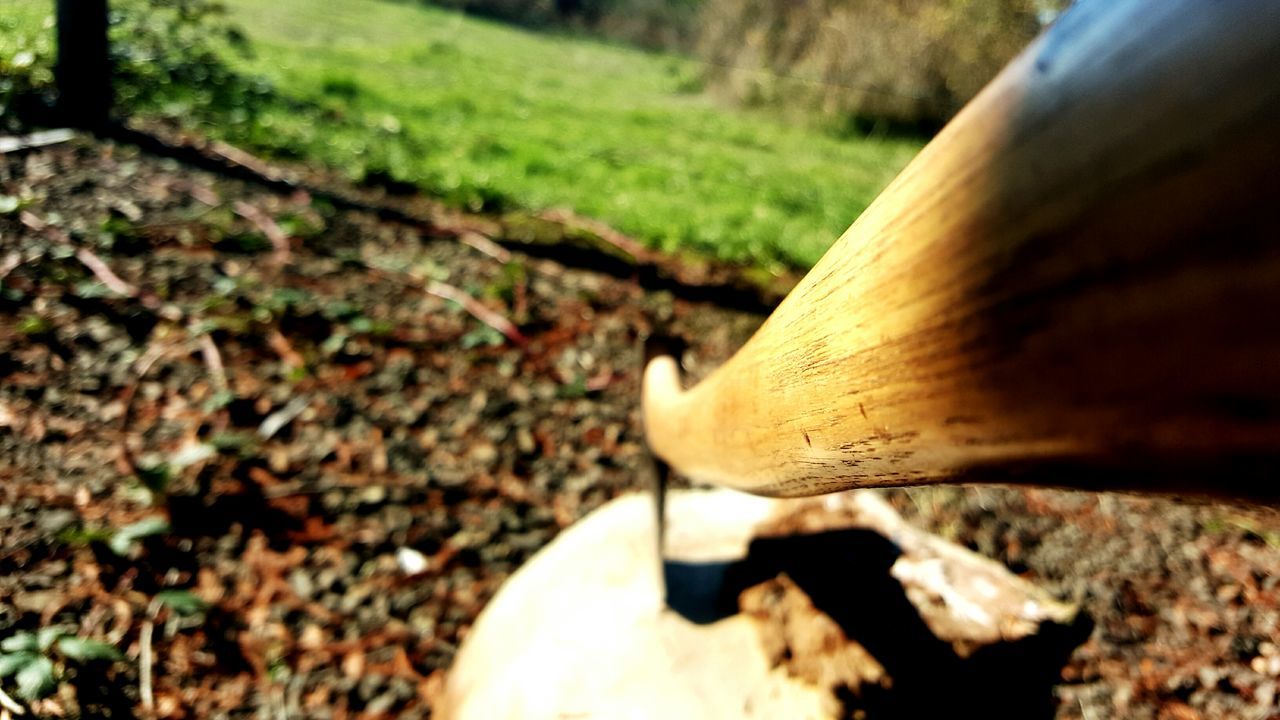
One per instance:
(965, 599)
(806, 641)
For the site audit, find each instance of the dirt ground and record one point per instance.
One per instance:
(349, 464)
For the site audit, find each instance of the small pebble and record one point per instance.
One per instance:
(411, 561)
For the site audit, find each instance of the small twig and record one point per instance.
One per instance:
(477, 310)
(276, 421)
(600, 381)
(279, 703)
(11, 705)
(286, 490)
(201, 193)
(145, 660)
(213, 361)
(32, 221)
(446, 291)
(520, 298)
(104, 273)
(143, 364)
(144, 665)
(267, 226)
(479, 242)
(10, 263)
(245, 160)
(280, 344)
(570, 219)
(141, 368)
(293, 696)
(16, 143)
(99, 267)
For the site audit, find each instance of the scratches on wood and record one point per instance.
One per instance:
(1079, 272)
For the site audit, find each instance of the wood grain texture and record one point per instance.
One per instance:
(1076, 283)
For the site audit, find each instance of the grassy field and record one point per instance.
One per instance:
(492, 117)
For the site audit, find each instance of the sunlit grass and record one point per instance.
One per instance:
(494, 118)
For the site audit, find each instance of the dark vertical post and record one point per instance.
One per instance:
(84, 66)
(568, 8)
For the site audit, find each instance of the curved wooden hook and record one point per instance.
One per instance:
(1076, 283)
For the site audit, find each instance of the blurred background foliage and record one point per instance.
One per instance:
(908, 64)
(26, 63)
(168, 56)
(654, 24)
(902, 63)
(751, 130)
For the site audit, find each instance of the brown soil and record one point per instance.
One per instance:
(409, 431)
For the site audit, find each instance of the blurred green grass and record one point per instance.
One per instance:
(494, 118)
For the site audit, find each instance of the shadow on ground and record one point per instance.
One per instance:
(845, 574)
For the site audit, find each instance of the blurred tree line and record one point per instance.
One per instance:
(900, 64)
(652, 24)
(860, 64)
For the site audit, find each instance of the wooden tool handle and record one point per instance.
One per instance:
(1076, 283)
